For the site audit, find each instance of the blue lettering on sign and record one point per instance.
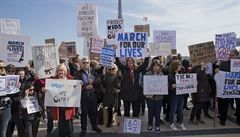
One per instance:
(136, 52)
(57, 85)
(232, 75)
(132, 36)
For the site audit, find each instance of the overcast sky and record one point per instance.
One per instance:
(195, 21)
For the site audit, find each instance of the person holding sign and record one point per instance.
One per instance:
(176, 101)
(154, 102)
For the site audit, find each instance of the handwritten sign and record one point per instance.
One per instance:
(228, 84)
(107, 57)
(62, 93)
(45, 60)
(10, 26)
(224, 43)
(14, 49)
(203, 52)
(32, 104)
(235, 65)
(132, 126)
(114, 26)
(87, 20)
(160, 49)
(155, 85)
(131, 44)
(186, 83)
(164, 36)
(97, 44)
(142, 28)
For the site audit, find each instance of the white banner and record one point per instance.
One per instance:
(155, 85)
(87, 17)
(45, 60)
(62, 93)
(235, 65)
(131, 44)
(32, 104)
(114, 26)
(228, 84)
(97, 44)
(10, 26)
(15, 49)
(165, 36)
(186, 83)
(131, 125)
(160, 49)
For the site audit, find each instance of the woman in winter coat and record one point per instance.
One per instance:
(112, 84)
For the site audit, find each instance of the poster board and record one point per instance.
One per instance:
(164, 36)
(10, 26)
(186, 83)
(142, 28)
(155, 85)
(160, 49)
(114, 26)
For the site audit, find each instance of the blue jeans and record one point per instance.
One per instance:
(49, 120)
(5, 115)
(176, 104)
(154, 109)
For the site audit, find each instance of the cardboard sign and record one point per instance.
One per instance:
(142, 28)
(114, 26)
(10, 26)
(131, 125)
(235, 65)
(228, 84)
(50, 41)
(32, 104)
(131, 44)
(71, 49)
(155, 85)
(224, 43)
(97, 45)
(160, 49)
(14, 49)
(45, 60)
(107, 57)
(163, 36)
(62, 93)
(203, 52)
(186, 83)
(87, 20)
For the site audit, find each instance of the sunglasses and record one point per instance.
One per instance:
(31, 89)
(2, 67)
(10, 71)
(85, 62)
(112, 69)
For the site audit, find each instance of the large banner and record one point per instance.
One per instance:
(142, 28)
(87, 20)
(228, 84)
(107, 57)
(155, 85)
(160, 49)
(114, 26)
(186, 83)
(10, 26)
(45, 60)
(97, 44)
(15, 49)
(224, 43)
(9, 84)
(132, 126)
(203, 52)
(163, 36)
(131, 44)
(62, 93)
(235, 65)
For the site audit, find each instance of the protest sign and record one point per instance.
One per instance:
(235, 65)
(209, 68)
(10, 26)
(107, 57)
(50, 41)
(14, 49)
(113, 26)
(71, 49)
(131, 125)
(45, 60)
(87, 20)
(32, 104)
(97, 45)
(238, 42)
(224, 43)
(131, 44)
(142, 28)
(228, 84)
(203, 52)
(160, 49)
(186, 83)
(155, 85)
(12, 82)
(164, 36)
(3, 86)
(62, 93)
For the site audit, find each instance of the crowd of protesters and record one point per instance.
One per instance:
(109, 86)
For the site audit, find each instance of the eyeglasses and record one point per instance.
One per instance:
(2, 67)
(85, 62)
(31, 89)
(10, 71)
